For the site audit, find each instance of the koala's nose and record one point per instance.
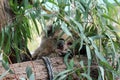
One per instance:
(60, 44)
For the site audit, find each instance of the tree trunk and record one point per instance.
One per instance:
(38, 67)
(6, 14)
(7, 17)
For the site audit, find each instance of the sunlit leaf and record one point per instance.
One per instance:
(98, 54)
(118, 3)
(65, 29)
(88, 52)
(86, 76)
(36, 26)
(4, 74)
(108, 17)
(71, 63)
(102, 72)
(22, 79)
(62, 77)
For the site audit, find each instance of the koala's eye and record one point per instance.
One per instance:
(61, 39)
(69, 43)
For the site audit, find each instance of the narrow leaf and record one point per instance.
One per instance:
(88, 52)
(102, 72)
(65, 29)
(87, 76)
(30, 75)
(4, 74)
(108, 17)
(6, 66)
(62, 73)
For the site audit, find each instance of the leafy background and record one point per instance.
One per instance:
(87, 22)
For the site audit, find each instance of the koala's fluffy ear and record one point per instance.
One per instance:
(50, 31)
(53, 31)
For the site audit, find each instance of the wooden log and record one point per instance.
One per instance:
(38, 68)
(40, 71)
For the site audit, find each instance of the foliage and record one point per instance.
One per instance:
(14, 36)
(92, 23)
(30, 74)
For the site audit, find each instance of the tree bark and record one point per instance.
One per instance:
(6, 14)
(38, 67)
(8, 17)
(40, 71)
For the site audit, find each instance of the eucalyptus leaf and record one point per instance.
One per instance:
(87, 76)
(88, 52)
(71, 63)
(65, 29)
(62, 77)
(102, 72)
(4, 74)
(34, 20)
(6, 67)
(30, 74)
(98, 54)
(117, 2)
(108, 17)
(62, 73)
(22, 79)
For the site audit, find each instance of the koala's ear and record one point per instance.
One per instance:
(50, 30)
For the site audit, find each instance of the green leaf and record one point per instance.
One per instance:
(3, 36)
(88, 52)
(65, 29)
(66, 61)
(62, 77)
(98, 54)
(4, 74)
(25, 3)
(82, 64)
(30, 75)
(109, 36)
(34, 20)
(78, 25)
(106, 66)
(22, 79)
(118, 3)
(87, 76)
(110, 75)
(102, 72)
(71, 63)
(6, 67)
(89, 58)
(108, 17)
(63, 73)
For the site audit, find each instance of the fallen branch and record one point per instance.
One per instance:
(38, 68)
(40, 71)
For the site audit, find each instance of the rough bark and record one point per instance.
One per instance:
(40, 71)
(7, 17)
(6, 14)
(38, 67)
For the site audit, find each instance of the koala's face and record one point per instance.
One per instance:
(62, 45)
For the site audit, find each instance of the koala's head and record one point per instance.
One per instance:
(63, 40)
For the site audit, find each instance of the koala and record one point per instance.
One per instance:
(57, 45)
(50, 45)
